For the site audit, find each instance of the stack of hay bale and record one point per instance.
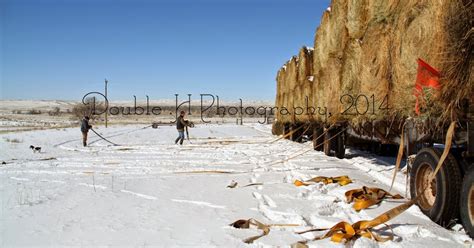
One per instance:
(370, 48)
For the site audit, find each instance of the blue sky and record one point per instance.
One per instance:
(56, 49)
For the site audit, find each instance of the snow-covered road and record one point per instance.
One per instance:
(143, 193)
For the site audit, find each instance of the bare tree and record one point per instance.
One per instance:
(91, 107)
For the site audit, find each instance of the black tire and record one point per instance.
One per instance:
(295, 132)
(327, 143)
(467, 202)
(286, 130)
(440, 201)
(340, 148)
(318, 141)
(298, 135)
(376, 148)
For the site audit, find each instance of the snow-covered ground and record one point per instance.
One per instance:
(142, 194)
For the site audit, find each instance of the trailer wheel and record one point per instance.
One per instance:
(467, 202)
(340, 148)
(317, 141)
(327, 143)
(440, 201)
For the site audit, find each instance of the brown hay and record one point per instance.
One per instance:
(278, 128)
(371, 48)
(457, 81)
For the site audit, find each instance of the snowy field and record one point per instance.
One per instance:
(142, 193)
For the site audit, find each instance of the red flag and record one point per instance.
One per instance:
(427, 77)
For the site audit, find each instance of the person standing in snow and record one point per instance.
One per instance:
(85, 129)
(180, 125)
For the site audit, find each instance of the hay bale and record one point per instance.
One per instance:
(278, 128)
(457, 80)
(370, 47)
(304, 87)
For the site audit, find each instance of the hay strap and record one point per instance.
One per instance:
(234, 184)
(366, 197)
(187, 135)
(100, 136)
(307, 150)
(342, 180)
(287, 135)
(447, 148)
(399, 156)
(343, 231)
(332, 137)
(245, 224)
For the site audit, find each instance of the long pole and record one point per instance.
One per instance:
(106, 98)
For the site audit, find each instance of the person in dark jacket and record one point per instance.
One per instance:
(180, 125)
(85, 129)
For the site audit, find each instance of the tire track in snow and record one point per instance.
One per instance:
(148, 197)
(199, 203)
